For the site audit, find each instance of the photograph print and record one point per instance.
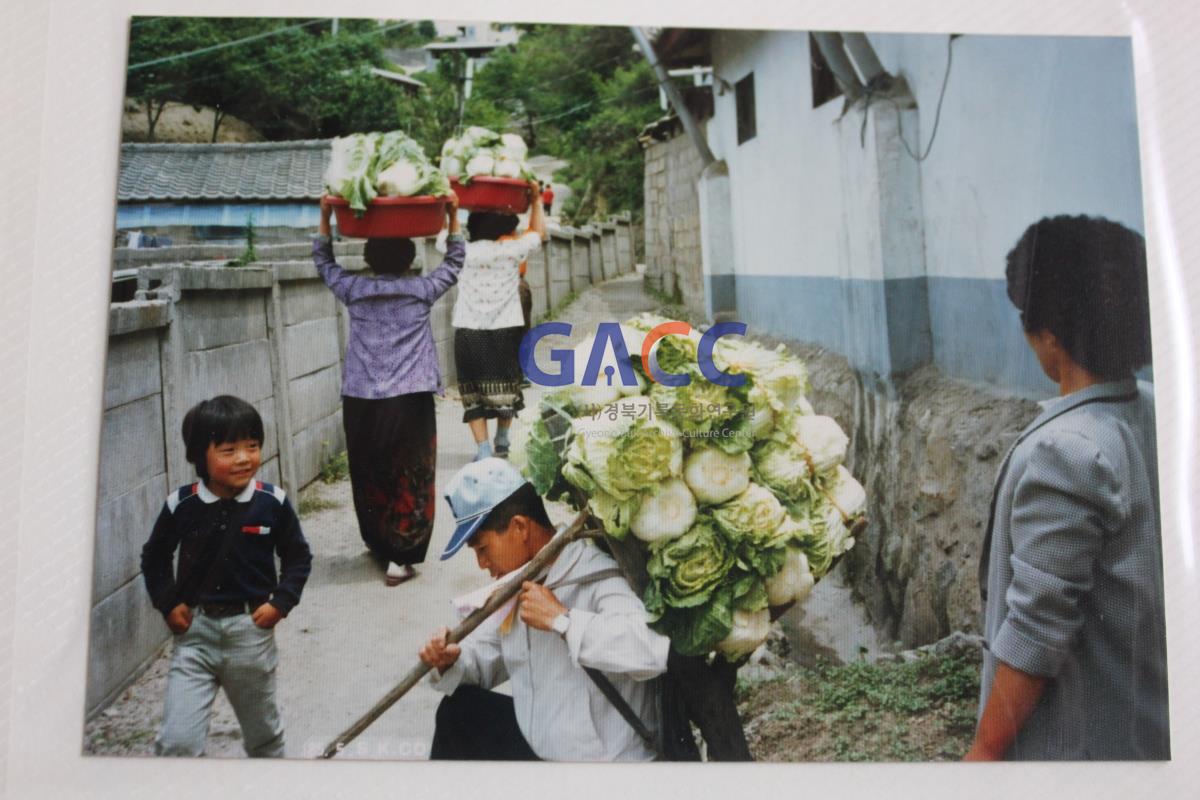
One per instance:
(586, 393)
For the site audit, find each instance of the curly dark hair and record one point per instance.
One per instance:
(490, 226)
(389, 256)
(1084, 280)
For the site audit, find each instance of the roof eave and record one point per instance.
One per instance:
(684, 47)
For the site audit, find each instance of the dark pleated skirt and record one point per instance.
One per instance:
(489, 372)
(391, 445)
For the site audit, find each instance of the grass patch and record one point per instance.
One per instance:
(249, 255)
(673, 308)
(311, 503)
(922, 710)
(335, 468)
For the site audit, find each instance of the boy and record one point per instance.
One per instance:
(581, 615)
(225, 601)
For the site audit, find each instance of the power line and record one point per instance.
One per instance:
(581, 106)
(562, 79)
(590, 68)
(222, 45)
(937, 117)
(334, 41)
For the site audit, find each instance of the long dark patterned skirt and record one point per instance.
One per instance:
(489, 372)
(392, 448)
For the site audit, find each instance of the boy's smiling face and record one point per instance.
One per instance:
(232, 465)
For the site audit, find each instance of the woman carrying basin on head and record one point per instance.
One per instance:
(390, 377)
(489, 323)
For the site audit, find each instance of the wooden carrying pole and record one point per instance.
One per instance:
(575, 531)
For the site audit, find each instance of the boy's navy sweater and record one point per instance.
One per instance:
(195, 520)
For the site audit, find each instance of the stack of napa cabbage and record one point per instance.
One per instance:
(363, 166)
(480, 152)
(737, 495)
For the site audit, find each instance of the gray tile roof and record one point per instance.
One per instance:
(257, 171)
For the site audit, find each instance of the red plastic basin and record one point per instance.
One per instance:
(392, 217)
(498, 195)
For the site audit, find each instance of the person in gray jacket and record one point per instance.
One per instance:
(1071, 567)
(581, 615)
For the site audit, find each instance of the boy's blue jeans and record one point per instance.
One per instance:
(232, 653)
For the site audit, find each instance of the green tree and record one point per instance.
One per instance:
(413, 35)
(583, 93)
(288, 78)
(607, 166)
(151, 40)
(433, 116)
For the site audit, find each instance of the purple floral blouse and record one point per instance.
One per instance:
(391, 350)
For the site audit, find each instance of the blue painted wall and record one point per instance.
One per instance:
(884, 327)
(283, 215)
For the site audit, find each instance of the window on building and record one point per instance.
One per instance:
(824, 85)
(743, 92)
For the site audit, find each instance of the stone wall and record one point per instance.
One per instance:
(672, 227)
(927, 448)
(273, 334)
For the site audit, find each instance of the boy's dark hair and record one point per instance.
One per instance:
(487, 225)
(524, 501)
(389, 256)
(1084, 280)
(224, 418)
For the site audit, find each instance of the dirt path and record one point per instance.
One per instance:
(352, 638)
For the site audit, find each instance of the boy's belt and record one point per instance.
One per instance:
(220, 610)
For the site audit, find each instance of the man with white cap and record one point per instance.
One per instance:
(582, 614)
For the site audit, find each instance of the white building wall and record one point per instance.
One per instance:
(786, 186)
(1031, 126)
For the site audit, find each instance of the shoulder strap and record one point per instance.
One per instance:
(602, 682)
(583, 580)
(610, 692)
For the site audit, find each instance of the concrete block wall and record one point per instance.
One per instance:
(581, 271)
(218, 343)
(595, 259)
(310, 327)
(132, 487)
(536, 275)
(609, 250)
(557, 251)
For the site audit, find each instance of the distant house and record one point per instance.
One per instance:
(207, 192)
(474, 41)
(835, 215)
